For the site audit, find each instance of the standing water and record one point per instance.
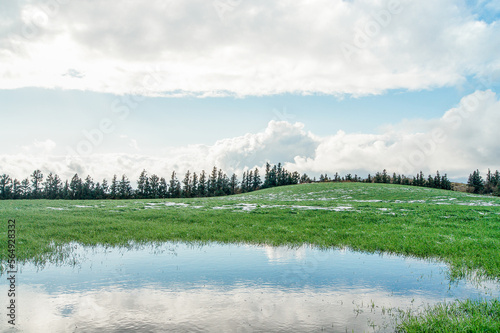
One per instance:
(179, 287)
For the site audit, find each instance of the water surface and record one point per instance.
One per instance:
(182, 287)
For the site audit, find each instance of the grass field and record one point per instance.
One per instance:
(458, 228)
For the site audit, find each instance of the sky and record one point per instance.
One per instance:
(104, 87)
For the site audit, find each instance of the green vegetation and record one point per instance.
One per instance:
(459, 228)
(467, 316)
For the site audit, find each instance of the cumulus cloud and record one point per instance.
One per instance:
(201, 48)
(464, 138)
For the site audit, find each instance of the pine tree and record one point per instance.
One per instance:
(154, 187)
(267, 176)
(36, 183)
(125, 190)
(16, 186)
(233, 184)
(76, 187)
(186, 191)
(202, 187)
(88, 188)
(5, 186)
(194, 185)
(163, 188)
(141, 184)
(243, 182)
(174, 186)
(437, 180)
(113, 189)
(25, 189)
(47, 187)
(105, 188)
(476, 182)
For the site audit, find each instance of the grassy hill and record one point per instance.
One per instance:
(459, 228)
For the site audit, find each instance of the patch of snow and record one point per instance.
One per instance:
(56, 208)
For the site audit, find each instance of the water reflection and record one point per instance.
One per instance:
(237, 288)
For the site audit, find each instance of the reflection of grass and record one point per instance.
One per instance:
(467, 316)
(459, 228)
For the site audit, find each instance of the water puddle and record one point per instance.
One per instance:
(182, 287)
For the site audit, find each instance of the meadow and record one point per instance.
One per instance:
(460, 229)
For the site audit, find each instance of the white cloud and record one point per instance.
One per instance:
(463, 139)
(251, 48)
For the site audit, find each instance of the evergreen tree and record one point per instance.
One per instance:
(88, 188)
(267, 176)
(114, 189)
(153, 187)
(476, 182)
(437, 180)
(5, 187)
(142, 184)
(186, 191)
(244, 182)
(36, 183)
(445, 183)
(16, 189)
(66, 191)
(233, 184)
(25, 189)
(105, 188)
(124, 188)
(174, 186)
(98, 192)
(194, 185)
(202, 187)
(76, 187)
(163, 188)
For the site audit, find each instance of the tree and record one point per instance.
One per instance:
(186, 191)
(25, 190)
(36, 183)
(445, 182)
(266, 183)
(174, 186)
(76, 187)
(105, 188)
(437, 180)
(154, 184)
(163, 188)
(244, 182)
(142, 184)
(476, 182)
(52, 187)
(65, 191)
(233, 184)
(113, 189)
(16, 186)
(202, 187)
(88, 188)
(5, 186)
(256, 182)
(194, 185)
(125, 190)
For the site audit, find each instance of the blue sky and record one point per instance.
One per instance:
(322, 86)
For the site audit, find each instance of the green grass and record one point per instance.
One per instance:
(468, 316)
(458, 228)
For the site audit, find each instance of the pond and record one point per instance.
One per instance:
(183, 287)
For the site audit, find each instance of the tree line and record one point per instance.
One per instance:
(475, 183)
(215, 183)
(203, 184)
